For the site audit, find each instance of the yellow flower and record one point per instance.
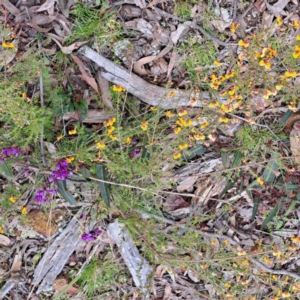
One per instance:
(177, 130)
(277, 253)
(183, 122)
(296, 24)
(296, 288)
(279, 87)
(24, 211)
(144, 125)
(183, 146)
(245, 282)
(101, 145)
(214, 85)
(1, 230)
(227, 284)
(12, 199)
(232, 90)
(70, 159)
(295, 239)
(169, 114)
(268, 93)
(243, 43)
(223, 120)
(110, 122)
(177, 155)
(73, 131)
(214, 103)
(296, 54)
(260, 181)
(217, 63)
(212, 137)
(241, 253)
(118, 88)
(265, 63)
(230, 74)
(59, 137)
(153, 108)
(171, 94)
(204, 125)
(286, 295)
(127, 141)
(290, 73)
(234, 26)
(110, 129)
(24, 95)
(279, 21)
(298, 37)
(8, 45)
(112, 137)
(182, 112)
(199, 136)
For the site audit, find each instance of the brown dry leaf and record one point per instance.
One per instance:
(176, 205)
(193, 275)
(60, 283)
(17, 263)
(182, 29)
(85, 76)
(10, 7)
(104, 89)
(140, 3)
(68, 49)
(4, 240)
(49, 6)
(295, 141)
(277, 8)
(186, 184)
(172, 63)
(155, 2)
(260, 5)
(167, 292)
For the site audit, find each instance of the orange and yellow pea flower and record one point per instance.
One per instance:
(73, 131)
(69, 159)
(296, 24)
(177, 130)
(296, 53)
(183, 122)
(169, 114)
(290, 74)
(268, 93)
(183, 146)
(59, 137)
(110, 129)
(214, 103)
(177, 155)
(223, 120)
(127, 141)
(295, 239)
(204, 125)
(110, 122)
(12, 199)
(230, 74)
(153, 108)
(118, 88)
(8, 45)
(199, 137)
(217, 63)
(232, 90)
(260, 181)
(234, 26)
(265, 63)
(24, 211)
(144, 125)
(101, 145)
(279, 21)
(243, 43)
(171, 94)
(182, 112)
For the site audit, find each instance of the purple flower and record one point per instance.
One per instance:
(44, 195)
(88, 237)
(61, 172)
(135, 153)
(11, 151)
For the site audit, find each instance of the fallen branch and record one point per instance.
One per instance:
(151, 94)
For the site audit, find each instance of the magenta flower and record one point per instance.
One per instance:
(91, 236)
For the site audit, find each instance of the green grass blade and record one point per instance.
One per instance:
(65, 194)
(101, 174)
(271, 215)
(5, 169)
(285, 117)
(194, 151)
(237, 158)
(269, 174)
(255, 207)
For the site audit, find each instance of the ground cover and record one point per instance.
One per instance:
(149, 150)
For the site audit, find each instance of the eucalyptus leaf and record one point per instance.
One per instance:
(269, 174)
(101, 174)
(194, 151)
(5, 169)
(271, 215)
(65, 194)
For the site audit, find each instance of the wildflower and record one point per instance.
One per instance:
(136, 152)
(245, 282)
(241, 253)
(226, 108)
(298, 38)
(232, 90)
(217, 63)
(12, 199)
(267, 261)
(183, 122)
(223, 120)
(59, 137)
(183, 146)
(177, 130)
(110, 129)
(260, 181)
(24, 95)
(73, 131)
(277, 253)
(279, 87)
(230, 74)
(295, 239)
(290, 73)
(212, 137)
(177, 155)
(296, 54)
(24, 211)
(286, 295)
(61, 172)
(127, 141)
(171, 94)
(153, 108)
(199, 136)
(91, 236)
(144, 125)
(182, 112)
(265, 63)
(214, 103)
(279, 21)
(243, 43)
(8, 45)
(292, 107)
(296, 24)
(193, 101)
(110, 122)
(204, 125)
(234, 26)
(296, 288)
(70, 159)
(268, 93)
(44, 195)
(112, 137)
(101, 145)
(214, 78)
(169, 114)
(1, 230)
(118, 88)
(245, 262)
(228, 284)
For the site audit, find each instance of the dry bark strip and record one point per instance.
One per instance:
(146, 92)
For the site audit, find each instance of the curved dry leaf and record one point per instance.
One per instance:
(295, 141)
(68, 49)
(277, 8)
(17, 263)
(48, 5)
(4, 240)
(38, 28)
(167, 292)
(10, 7)
(42, 19)
(140, 3)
